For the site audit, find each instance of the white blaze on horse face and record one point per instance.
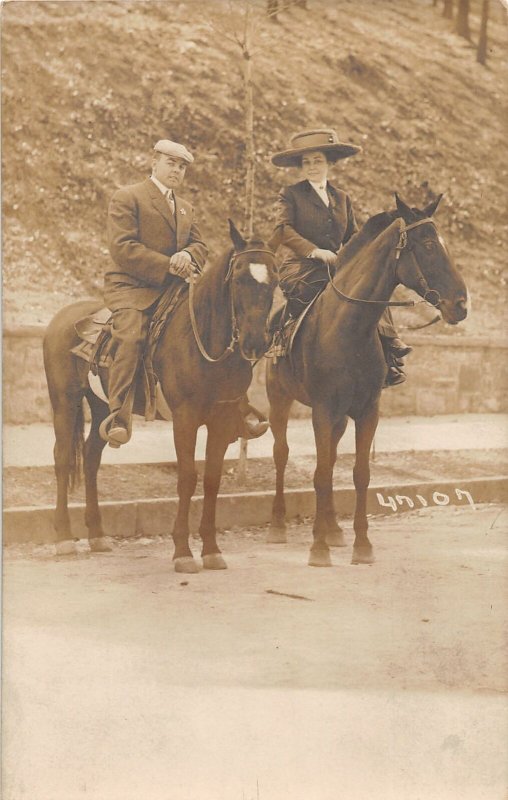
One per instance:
(259, 272)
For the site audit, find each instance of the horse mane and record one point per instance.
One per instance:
(216, 271)
(370, 231)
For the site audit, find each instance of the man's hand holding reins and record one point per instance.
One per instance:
(181, 265)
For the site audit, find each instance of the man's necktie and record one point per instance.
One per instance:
(171, 202)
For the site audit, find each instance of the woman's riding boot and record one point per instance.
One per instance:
(394, 376)
(399, 348)
(394, 362)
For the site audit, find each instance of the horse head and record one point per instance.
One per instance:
(425, 264)
(252, 279)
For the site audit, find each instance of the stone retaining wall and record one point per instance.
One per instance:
(446, 375)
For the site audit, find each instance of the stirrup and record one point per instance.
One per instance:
(104, 431)
(253, 430)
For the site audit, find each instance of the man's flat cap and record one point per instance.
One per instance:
(173, 149)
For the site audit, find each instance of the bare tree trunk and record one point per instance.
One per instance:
(462, 23)
(272, 8)
(249, 139)
(481, 53)
(250, 170)
(448, 9)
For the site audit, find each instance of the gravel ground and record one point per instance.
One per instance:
(271, 680)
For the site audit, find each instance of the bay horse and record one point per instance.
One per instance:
(203, 360)
(337, 366)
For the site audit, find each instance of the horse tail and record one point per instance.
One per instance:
(78, 441)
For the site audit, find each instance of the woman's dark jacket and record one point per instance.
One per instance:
(304, 222)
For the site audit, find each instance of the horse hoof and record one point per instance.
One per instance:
(186, 564)
(336, 539)
(67, 547)
(363, 555)
(276, 536)
(320, 558)
(214, 561)
(99, 544)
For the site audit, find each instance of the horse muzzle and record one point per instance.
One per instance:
(253, 348)
(453, 313)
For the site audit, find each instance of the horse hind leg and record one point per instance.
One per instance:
(279, 415)
(335, 536)
(365, 430)
(92, 452)
(68, 425)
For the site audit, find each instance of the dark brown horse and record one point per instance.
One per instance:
(204, 363)
(337, 365)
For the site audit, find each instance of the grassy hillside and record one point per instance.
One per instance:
(88, 87)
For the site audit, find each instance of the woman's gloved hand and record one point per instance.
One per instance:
(328, 256)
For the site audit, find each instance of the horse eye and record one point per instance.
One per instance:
(429, 246)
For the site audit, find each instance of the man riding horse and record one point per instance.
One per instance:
(154, 240)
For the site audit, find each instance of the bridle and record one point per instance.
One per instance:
(235, 331)
(427, 292)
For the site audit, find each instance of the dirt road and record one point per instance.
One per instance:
(126, 681)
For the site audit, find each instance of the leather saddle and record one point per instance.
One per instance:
(95, 347)
(285, 329)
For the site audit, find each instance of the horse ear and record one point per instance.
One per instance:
(430, 209)
(236, 237)
(405, 211)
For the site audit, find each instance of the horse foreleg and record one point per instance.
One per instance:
(220, 433)
(335, 535)
(323, 486)
(92, 452)
(185, 427)
(365, 430)
(279, 414)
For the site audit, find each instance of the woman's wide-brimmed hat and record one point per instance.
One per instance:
(324, 139)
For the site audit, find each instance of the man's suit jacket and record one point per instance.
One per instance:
(142, 236)
(304, 222)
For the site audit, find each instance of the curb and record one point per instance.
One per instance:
(143, 517)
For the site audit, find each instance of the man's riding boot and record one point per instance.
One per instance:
(116, 429)
(253, 423)
(117, 433)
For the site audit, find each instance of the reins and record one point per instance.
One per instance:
(402, 243)
(235, 333)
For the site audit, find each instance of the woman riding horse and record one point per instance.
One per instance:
(314, 220)
(337, 363)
